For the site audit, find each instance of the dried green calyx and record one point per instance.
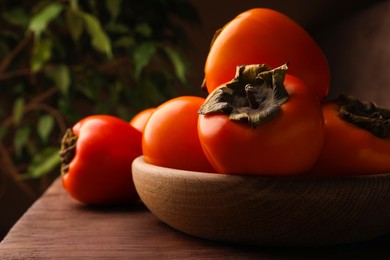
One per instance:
(68, 150)
(254, 95)
(366, 115)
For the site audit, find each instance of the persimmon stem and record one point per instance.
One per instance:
(255, 95)
(365, 115)
(68, 150)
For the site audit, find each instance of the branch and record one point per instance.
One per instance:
(32, 104)
(9, 168)
(18, 48)
(55, 113)
(14, 74)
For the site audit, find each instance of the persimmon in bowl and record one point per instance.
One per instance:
(258, 210)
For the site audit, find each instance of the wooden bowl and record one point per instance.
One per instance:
(256, 210)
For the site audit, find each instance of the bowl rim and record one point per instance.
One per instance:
(140, 161)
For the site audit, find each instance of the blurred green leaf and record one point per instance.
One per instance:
(117, 28)
(45, 127)
(74, 23)
(60, 75)
(144, 29)
(86, 88)
(150, 92)
(20, 139)
(124, 42)
(114, 7)
(74, 4)
(70, 38)
(115, 92)
(99, 39)
(43, 162)
(142, 56)
(42, 53)
(39, 22)
(17, 112)
(178, 63)
(16, 16)
(3, 132)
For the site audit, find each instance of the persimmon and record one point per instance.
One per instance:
(263, 122)
(96, 154)
(357, 140)
(170, 138)
(265, 36)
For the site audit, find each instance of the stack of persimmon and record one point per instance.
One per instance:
(266, 113)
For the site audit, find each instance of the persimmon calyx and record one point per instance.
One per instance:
(364, 114)
(68, 150)
(255, 95)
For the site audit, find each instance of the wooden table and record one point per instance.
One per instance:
(56, 226)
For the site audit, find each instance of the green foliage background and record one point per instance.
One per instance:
(63, 60)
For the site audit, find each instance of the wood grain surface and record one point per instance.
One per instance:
(57, 227)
